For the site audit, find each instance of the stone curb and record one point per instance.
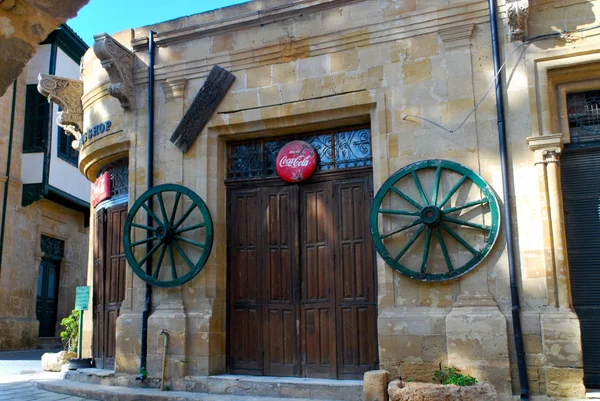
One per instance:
(110, 393)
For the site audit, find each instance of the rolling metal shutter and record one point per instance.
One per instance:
(580, 174)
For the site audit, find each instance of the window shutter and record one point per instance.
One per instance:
(37, 121)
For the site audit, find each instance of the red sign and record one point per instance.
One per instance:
(296, 161)
(101, 189)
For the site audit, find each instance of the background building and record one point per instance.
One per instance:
(293, 286)
(45, 207)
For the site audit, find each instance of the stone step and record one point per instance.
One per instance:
(50, 343)
(108, 393)
(260, 386)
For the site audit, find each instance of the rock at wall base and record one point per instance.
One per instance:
(402, 391)
(53, 361)
(375, 385)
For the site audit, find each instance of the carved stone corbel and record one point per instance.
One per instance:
(457, 37)
(118, 63)
(517, 12)
(66, 93)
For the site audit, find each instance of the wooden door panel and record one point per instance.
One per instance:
(279, 243)
(355, 283)
(98, 289)
(114, 283)
(245, 339)
(317, 276)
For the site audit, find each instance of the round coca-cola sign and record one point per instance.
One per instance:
(296, 161)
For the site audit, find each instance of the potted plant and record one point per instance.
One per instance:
(70, 339)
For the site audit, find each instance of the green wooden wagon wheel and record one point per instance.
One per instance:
(181, 234)
(434, 198)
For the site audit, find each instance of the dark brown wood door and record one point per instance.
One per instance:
(355, 279)
(301, 280)
(317, 304)
(109, 282)
(279, 206)
(245, 283)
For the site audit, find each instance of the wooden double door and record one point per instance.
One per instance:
(301, 279)
(109, 282)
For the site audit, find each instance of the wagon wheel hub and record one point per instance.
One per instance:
(165, 233)
(431, 216)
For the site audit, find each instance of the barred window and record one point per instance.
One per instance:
(350, 148)
(584, 116)
(37, 121)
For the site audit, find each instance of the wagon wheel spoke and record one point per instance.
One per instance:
(175, 204)
(460, 240)
(409, 243)
(160, 260)
(436, 185)
(399, 230)
(163, 211)
(452, 191)
(151, 213)
(172, 259)
(438, 233)
(419, 187)
(466, 223)
(143, 241)
(195, 226)
(145, 258)
(406, 197)
(189, 241)
(143, 227)
(466, 205)
(185, 216)
(183, 255)
(426, 250)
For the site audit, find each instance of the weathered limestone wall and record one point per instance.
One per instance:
(22, 254)
(335, 65)
(23, 25)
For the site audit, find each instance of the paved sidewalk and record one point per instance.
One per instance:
(27, 391)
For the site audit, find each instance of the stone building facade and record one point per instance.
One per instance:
(44, 200)
(315, 68)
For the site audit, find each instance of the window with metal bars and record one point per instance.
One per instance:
(342, 149)
(64, 149)
(37, 121)
(584, 116)
(119, 177)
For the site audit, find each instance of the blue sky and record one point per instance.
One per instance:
(112, 16)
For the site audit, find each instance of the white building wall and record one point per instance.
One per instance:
(40, 63)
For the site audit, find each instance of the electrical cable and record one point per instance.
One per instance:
(559, 35)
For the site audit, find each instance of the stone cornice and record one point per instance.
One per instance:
(252, 18)
(517, 12)
(118, 63)
(66, 93)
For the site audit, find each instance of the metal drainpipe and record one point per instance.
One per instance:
(507, 215)
(150, 171)
(10, 138)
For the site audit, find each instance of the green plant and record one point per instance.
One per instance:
(452, 375)
(409, 379)
(71, 332)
